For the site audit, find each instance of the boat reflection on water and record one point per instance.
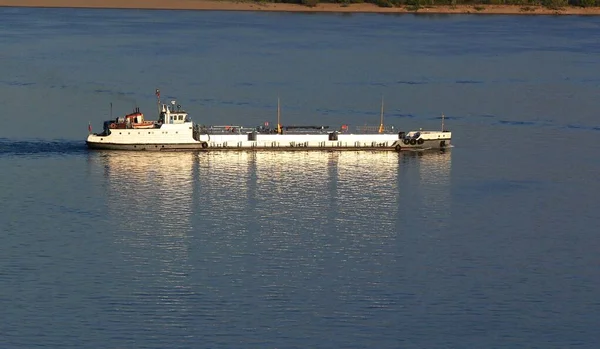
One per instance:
(162, 191)
(144, 188)
(429, 174)
(277, 191)
(197, 223)
(287, 215)
(149, 201)
(162, 200)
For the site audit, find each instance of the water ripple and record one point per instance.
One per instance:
(40, 147)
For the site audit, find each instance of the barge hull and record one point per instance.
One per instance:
(212, 146)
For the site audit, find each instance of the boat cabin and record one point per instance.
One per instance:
(133, 120)
(135, 117)
(170, 114)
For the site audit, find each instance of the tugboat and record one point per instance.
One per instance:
(175, 130)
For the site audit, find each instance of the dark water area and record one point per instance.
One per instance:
(492, 244)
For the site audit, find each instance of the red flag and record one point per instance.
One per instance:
(89, 127)
(157, 93)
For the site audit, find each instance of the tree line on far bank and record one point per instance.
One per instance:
(416, 4)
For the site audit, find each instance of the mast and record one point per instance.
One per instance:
(278, 116)
(381, 117)
(442, 122)
(158, 100)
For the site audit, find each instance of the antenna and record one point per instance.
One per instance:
(111, 110)
(381, 118)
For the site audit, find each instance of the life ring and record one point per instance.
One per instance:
(420, 141)
(398, 147)
(413, 141)
(113, 125)
(204, 145)
(406, 141)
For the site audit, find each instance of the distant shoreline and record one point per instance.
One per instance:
(226, 5)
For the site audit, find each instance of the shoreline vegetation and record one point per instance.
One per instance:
(507, 7)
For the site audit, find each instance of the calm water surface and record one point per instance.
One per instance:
(492, 244)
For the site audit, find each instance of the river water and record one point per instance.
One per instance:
(492, 244)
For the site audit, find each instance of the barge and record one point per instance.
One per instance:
(175, 130)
